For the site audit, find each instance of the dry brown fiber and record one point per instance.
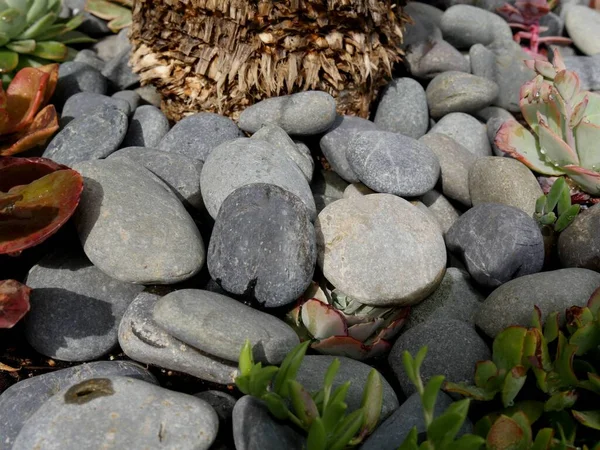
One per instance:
(223, 55)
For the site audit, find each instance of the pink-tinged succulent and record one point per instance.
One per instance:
(37, 197)
(525, 16)
(339, 325)
(24, 121)
(14, 302)
(565, 127)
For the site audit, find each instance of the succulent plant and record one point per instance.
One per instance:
(565, 122)
(24, 120)
(37, 197)
(14, 302)
(564, 361)
(558, 198)
(339, 325)
(117, 12)
(322, 415)
(32, 35)
(525, 16)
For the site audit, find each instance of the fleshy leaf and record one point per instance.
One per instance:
(508, 347)
(590, 419)
(36, 133)
(553, 147)
(51, 50)
(8, 61)
(588, 180)
(485, 374)
(587, 136)
(567, 84)
(342, 346)
(394, 327)
(322, 321)
(561, 400)
(14, 302)
(594, 302)
(505, 434)
(513, 382)
(362, 331)
(515, 140)
(473, 392)
(372, 402)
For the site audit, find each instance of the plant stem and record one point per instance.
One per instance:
(296, 421)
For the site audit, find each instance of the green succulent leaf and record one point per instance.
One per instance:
(540, 206)
(444, 428)
(289, 368)
(586, 338)
(551, 327)
(74, 37)
(508, 347)
(243, 383)
(317, 439)
(590, 419)
(12, 22)
(276, 405)
(587, 135)
(567, 218)
(508, 433)
(339, 394)
(410, 442)
(8, 61)
(333, 414)
(4, 39)
(513, 383)
(372, 402)
(543, 440)
(564, 362)
(532, 409)
(474, 392)
(548, 219)
(304, 406)
(27, 46)
(554, 147)
(555, 193)
(431, 392)
(409, 366)
(40, 26)
(246, 358)
(467, 442)
(328, 381)
(486, 374)
(561, 400)
(346, 430)
(51, 50)
(37, 9)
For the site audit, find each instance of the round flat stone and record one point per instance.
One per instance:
(147, 127)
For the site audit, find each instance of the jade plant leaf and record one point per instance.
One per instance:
(36, 133)
(49, 194)
(590, 419)
(14, 302)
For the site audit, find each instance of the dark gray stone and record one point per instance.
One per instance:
(197, 135)
(119, 412)
(554, 23)
(75, 308)
(459, 92)
(327, 187)
(466, 25)
(276, 136)
(553, 291)
(254, 428)
(74, 77)
(445, 213)
(93, 26)
(246, 161)
(221, 402)
(263, 244)
(588, 69)
(426, 24)
(147, 127)
(455, 298)
(393, 163)
(111, 45)
(312, 372)
(403, 108)
(180, 173)
(392, 433)
(90, 57)
(493, 112)
(88, 103)
(118, 70)
(89, 137)
(133, 228)
(143, 340)
(430, 58)
(226, 325)
(466, 131)
(455, 162)
(583, 27)
(453, 350)
(131, 97)
(302, 114)
(149, 95)
(334, 144)
(497, 243)
(579, 244)
(21, 400)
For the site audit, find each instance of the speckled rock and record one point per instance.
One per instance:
(430, 58)
(380, 249)
(147, 128)
(583, 27)
(466, 25)
(74, 77)
(134, 229)
(85, 103)
(444, 212)
(403, 108)
(302, 114)
(579, 244)
(507, 181)
(467, 131)
(263, 244)
(131, 97)
(556, 290)
(327, 187)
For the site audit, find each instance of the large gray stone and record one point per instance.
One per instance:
(494, 179)
(453, 350)
(466, 25)
(134, 229)
(312, 372)
(459, 92)
(263, 245)
(497, 243)
(302, 114)
(327, 187)
(403, 108)
(247, 161)
(118, 70)
(119, 412)
(75, 308)
(254, 428)
(197, 135)
(455, 162)
(180, 173)
(393, 163)
(583, 27)
(588, 69)
(21, 400)
(465, 130)
(146, 128)
(380, 249)
(334, 144)
(554, 291)
(219, 326)
(143, 340)
(426, 24)
(131, 97)
(430, 58)
(88, 137)
(85, 103)
(74, 77)
(579, 244)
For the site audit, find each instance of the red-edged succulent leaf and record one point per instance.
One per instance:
(590, 419)
(587, 136)
(518, 142)
(567, 84)
(553, 146)
(47, 203)
(36, 133)
(362, 331)
(394, 327)
(24, 97)
(588, 180)
(342, 346)
(14, 302)
(322, 321)
(594, 302)
(505, 434)
(378, 348)
(543, 68)
(20, 171)
(557, 60)
(52, 71)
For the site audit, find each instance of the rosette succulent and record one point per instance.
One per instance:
(565, 126)
(340, 325)
(32, 35)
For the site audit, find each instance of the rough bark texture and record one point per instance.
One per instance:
(223, 55)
